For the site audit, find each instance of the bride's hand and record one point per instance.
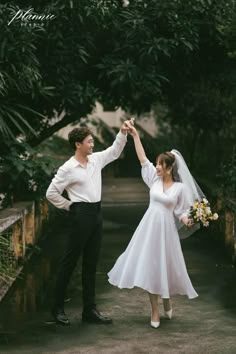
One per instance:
(132, 131)
(187, 221)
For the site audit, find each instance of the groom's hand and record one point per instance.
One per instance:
(132, 119)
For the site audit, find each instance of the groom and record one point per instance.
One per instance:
(81, 177)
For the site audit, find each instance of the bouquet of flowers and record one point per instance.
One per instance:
(201, 212)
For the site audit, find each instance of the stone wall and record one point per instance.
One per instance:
(20, 230)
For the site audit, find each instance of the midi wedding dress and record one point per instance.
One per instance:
(153, 259)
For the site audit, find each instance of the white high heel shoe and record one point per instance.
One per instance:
(154, 324)
(168, 314)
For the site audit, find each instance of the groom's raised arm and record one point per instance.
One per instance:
(113, 152)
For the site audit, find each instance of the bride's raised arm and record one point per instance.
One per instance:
(137, 143)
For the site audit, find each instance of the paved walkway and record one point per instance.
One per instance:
(203, 325)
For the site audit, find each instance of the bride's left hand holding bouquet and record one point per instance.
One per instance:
(200, 212)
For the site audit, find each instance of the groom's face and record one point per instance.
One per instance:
(87, 145)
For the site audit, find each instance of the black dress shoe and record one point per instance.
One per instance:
(94, 316)
(60, 316)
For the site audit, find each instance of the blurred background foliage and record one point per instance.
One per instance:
(175, 58)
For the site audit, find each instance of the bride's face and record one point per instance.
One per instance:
(161, 169)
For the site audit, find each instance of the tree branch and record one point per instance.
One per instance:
(46, 133)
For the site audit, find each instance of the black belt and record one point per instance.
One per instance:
(85, 205)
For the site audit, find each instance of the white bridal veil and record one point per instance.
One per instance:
(194, 192)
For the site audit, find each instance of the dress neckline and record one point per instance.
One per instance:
(164, 191)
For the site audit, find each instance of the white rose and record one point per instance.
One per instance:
(125, 3)
(205, 201)
(206, 223)
(215, 216)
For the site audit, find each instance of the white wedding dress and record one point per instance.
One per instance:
(153, 260)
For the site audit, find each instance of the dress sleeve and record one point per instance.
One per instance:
(148, 172)
(183, 204)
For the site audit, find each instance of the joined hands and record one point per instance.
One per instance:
(128, 127)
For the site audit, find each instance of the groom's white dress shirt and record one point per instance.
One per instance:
(83, 184)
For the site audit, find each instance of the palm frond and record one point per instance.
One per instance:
(11, 116)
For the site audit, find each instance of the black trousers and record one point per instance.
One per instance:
(85, 234)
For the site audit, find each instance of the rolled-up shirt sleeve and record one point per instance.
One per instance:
(113, 152)
(56, 188)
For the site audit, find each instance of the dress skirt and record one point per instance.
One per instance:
(153, 259)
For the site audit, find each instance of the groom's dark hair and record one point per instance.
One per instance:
(77, 135)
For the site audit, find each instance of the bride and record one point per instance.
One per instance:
(153, 260)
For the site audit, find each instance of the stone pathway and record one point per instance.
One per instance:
(205, 325)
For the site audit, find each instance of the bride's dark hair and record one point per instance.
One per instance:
(166, 158)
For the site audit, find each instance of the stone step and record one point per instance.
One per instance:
(125, 191)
